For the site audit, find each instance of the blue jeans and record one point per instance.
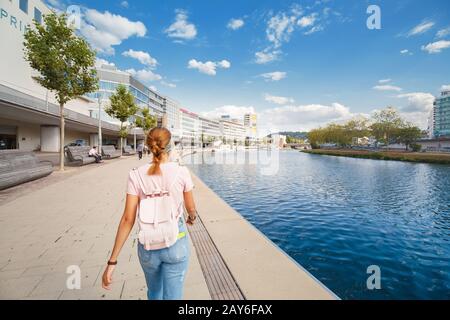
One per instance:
(165, 269)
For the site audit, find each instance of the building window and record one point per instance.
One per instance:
(23, 5)
(37, 15)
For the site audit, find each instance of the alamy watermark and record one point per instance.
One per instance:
(374, 280)
(267, 158)
(374, 20)
(73, 281)
(73, 13)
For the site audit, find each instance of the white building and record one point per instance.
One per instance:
(209, 130)
(172, 118)
(29, 114)
(190, 128)
(232, 131)
(430, 128)
(251, 126)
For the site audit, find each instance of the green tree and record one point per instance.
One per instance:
(386, 124)
(408, 134)
(122, 107)
(65, 63)
(147, 121)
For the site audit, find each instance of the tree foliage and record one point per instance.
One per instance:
(386, 126)
(65, 62)
(147, 121)
(122, 107)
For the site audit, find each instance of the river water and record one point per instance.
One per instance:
(338, 216)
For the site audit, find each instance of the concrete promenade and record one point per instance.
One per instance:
(69, 219)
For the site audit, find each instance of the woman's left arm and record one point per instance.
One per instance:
(125, 226)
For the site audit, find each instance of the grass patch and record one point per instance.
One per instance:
(437, 158)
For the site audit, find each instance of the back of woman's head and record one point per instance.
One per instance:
(157, 140)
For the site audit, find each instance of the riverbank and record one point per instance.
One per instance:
(437, 158)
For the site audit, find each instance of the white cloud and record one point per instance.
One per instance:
(208, 67)
(144, 75)
(406, 52)
(263, 57)
(418, 102)
(181, 28)
(421, 28)
(280, 28)
(274, 76)
(224, 64)
(167, 84)
(235, 112)
(384, 80)
(314, 30)
(387, 88)
(307, 21)
(445, 87)
(278, 100)
(443, 33)
(235, 24)
(153, 88)
(105, 30)
(436, 47)
(125, 4)
(303, 117)
(142, 57)
(100, 62)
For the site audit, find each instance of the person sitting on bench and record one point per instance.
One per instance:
(93, 153)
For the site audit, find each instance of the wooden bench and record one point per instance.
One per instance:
(17, 167)
(128, 151)
(79, 155)
(110, 152)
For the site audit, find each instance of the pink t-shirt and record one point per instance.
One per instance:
(170, 171)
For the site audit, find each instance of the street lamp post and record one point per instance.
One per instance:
(100, 123)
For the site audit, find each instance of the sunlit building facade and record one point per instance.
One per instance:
(441, 115)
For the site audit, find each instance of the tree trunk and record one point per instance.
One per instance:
(61, 137)
(121, 139)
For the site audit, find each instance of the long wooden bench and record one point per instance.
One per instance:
(79, 155)
(17, 167)
(128, 151)
(110, 152)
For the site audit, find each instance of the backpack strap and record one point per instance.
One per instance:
(142, 184)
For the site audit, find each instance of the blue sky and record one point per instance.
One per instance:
(298, 64)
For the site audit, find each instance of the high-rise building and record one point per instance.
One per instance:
(430, 129)
(441, 115)
(251, 126)
(172, 118)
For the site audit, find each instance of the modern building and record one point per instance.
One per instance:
(441, 115)
(251, 126)
(209, 131)
(110, 78)
(29, 114)
(232, 132)
(190, 128)
(430, 129)
(172, 118)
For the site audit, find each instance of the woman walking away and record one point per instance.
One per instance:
(156, 194)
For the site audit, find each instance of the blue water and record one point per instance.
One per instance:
(338, 216)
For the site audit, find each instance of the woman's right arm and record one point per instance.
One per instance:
(190, 206)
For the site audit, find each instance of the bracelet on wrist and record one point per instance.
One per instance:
(112, 263)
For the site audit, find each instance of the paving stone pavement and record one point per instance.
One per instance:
(57, 223)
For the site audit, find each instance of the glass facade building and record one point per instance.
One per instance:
(441, 115)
